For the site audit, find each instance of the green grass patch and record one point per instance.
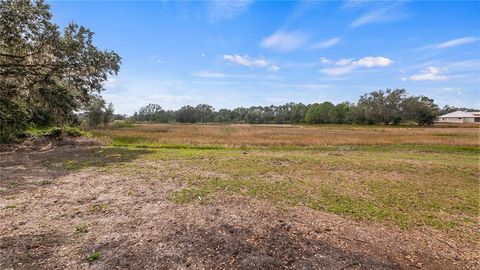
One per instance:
(81, 228)
(94, 256)
(434, 189)
(54, 132)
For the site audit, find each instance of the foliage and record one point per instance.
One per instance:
(46, 74)
(377, 107)
(419, 109)
(53, 132)
(448, 109)
(320, 113)
(97, 113)
(382, 106)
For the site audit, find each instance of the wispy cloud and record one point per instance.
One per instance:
(248, 61)
(349, 4)
(223, 9)
(274, 68)
(429, 74)
(343, 62)
(325, 60)
(209, 74)
(387, 14)
(306, 86)
(451, 90)
(325, 43)
(456, 42)
(344, 66)
(451, 43)
(465, 65)
(284, 41)
(156, 59)
(336, 71)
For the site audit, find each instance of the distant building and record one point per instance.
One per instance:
(459, 117)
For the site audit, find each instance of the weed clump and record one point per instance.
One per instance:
(93, 257)
(81, 228)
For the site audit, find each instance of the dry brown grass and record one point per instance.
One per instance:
(289, 135)
(366, 200)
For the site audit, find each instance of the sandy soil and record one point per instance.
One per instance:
(53, 218)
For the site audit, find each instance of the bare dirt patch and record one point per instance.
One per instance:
(61, 205)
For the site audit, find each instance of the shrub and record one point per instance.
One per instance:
(52, 132)
(73, 132)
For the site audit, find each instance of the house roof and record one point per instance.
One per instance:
(461, 114)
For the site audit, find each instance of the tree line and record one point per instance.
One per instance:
(51, 76)
(377, 107)
(47, 75)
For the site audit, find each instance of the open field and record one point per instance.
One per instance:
(286, 135)
(246, 196)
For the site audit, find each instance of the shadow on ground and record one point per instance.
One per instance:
(32, 169)
(190, 247)
(29, 251)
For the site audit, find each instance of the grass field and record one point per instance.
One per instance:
(285, 135)
(418, 184)
(404, 176)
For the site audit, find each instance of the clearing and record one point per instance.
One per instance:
(165, 196)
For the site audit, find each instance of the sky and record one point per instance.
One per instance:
(247, 53)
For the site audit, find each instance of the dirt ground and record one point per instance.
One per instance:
(54, 218)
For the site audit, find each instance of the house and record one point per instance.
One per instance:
(459, 117)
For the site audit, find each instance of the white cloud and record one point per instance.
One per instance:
(344, 66)
(336, 71)
(370, 61)
(343, 62)
(250, 62)
(386, 14)
(429, 74)
(274, 68)
(223, 10)
(325, 60)
(326, 43)
(456, 42)
(245, 60)
(284, 41)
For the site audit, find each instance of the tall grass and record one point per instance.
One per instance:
(286, 135)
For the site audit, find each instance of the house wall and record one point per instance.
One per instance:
(452, 120)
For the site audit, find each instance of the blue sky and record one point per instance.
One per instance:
(231, 54)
